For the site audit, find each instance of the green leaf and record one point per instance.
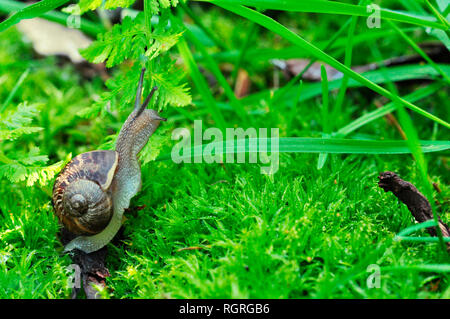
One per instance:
(154, 146)
(13, 124)
(19, 170)
(16, 133)
(86, 5)
(32, 11)
(155, 5)
(22, 116)
(276, 27)
(171, 91)
(201, 83)
(43, 175)
(113, 4)
(413, 228)
(33, 157)
(333, 7)
(123, 41)
(316, 145)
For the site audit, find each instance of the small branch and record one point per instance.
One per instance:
(391, 120)
(417, 203)
(93, 270)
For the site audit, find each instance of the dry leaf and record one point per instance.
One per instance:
(51, 38)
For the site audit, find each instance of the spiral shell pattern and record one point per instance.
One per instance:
(81, 195)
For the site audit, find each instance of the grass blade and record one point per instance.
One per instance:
(282, 91)
(200, 24)
(412, 139)
(87, 26)
(334, 43)
(437, 14)
(396, 73)
(14, 90)
(347, 63)
(200, 83)
(279, 29)
(214, 68)
(315, 145)
(413, 228)
(388, 108)
(419, 51)
(423, 239)
(325, 121)
(31, 11)
(333, 7)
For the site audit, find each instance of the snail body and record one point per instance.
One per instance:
(93, 190)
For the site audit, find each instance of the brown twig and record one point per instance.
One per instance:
(416, 202)
(92, 266)
(391, 120)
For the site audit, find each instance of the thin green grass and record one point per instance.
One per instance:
(386, 109)
(306, 145)
(333, 7)
(396, 74)
(290, 36)
(420, 51)
(325, 115)
(214, 68)
(201, 83)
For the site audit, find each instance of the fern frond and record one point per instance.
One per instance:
(13, 124)
(131, 39)
(33, 157)
(44, 174)
(123, 41)
(155, 5)
(113, 4)
(154, 146)
(24, 166)
(21, 169)
(16, 133)
(171, 91)
(20, 117)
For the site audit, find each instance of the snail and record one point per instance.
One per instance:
(94, 188)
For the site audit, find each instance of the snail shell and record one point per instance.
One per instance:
(81, 194)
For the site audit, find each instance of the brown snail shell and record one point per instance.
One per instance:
(81, 194)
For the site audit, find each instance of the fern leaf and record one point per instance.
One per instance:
(123, 41)
(154, 146)
(22, 116)
(168, 78)
(18, 171)
(46, 173)
(86, 5)
(16, 133)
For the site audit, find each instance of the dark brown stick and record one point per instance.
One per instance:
(417, 203)
(92, 266)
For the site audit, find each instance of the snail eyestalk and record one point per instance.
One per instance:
(147, 100)
(137, 102)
